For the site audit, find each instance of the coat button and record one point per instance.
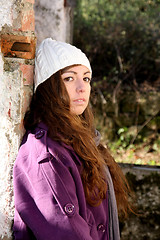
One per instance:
(101, 228)
(69, 209)
(39, 134)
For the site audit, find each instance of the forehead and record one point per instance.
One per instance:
(76, 68)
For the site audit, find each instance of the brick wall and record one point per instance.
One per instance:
(17, 39)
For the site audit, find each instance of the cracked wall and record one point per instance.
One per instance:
(16, 87)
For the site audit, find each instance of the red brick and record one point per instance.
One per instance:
(27, 71)
(27, 21)
(18, 46)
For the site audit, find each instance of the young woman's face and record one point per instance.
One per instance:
(77, 81)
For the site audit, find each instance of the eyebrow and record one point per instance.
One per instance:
(74, 72)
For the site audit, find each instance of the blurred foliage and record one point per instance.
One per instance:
(122, 40)
(120, 37)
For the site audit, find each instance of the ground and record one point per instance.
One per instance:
(137, 156)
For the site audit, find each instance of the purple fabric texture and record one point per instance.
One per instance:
(49, 197)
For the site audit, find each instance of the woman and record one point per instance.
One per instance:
(66, 184)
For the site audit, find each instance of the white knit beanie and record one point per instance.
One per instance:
(52, 56)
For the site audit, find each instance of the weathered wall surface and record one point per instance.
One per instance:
(16, 80)
(54, 19)
(145, 182)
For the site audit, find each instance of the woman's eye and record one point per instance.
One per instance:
(87, 79)
(68, 79)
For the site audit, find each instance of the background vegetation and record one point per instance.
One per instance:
(122, 40)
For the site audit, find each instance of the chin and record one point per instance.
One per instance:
(77, 112)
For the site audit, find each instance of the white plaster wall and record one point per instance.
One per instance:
(10, 88)
(5, 12)
(11, 114)
(10, 84)
(53, 20)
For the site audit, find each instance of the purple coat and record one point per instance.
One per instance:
(49, 197)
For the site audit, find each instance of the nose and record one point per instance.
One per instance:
(80, 86)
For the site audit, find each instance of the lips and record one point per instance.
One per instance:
(79, 100)
(78, 105)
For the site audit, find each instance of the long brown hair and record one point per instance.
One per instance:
(50, 104)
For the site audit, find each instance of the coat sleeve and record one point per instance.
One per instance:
(46, 204)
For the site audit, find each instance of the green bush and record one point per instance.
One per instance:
(120, 37)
